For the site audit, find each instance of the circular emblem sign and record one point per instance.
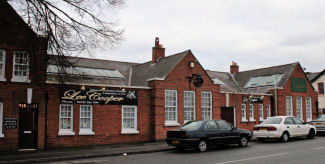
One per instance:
(198, 82)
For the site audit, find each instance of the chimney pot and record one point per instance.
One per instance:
(234, 68)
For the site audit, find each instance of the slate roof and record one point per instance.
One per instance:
(229, 85)
(160, 69)
(122, 67)
(312, 76)
(236, 83)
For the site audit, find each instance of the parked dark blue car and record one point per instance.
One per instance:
(202, 134)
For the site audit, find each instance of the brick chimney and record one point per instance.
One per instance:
(234, 68)
(158, 51)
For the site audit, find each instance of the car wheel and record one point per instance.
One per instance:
(202, 146)
(243, 141)
(284, 137)
(311, 133)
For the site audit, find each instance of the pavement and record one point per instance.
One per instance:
(60, 154)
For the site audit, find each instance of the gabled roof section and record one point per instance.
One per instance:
(227, 85)
(93, 71)
(160, 69)
(285, 71)
(313, 76)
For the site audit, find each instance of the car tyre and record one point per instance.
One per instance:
(311, 134)
(202, 146)
(284, 137)
(243, 141)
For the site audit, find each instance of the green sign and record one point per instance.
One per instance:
(298, 85)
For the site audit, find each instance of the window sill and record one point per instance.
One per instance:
(171, 124)
(129, 131)
(2, 79)
(86, 133)
(66, 133)
(244, 120)
(261, 119)
(2, 135)
(20, 80)
(308, 120)
(252, 120)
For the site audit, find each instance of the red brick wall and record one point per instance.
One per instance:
(107, 122)
(176, 80)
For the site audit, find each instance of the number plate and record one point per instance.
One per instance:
(318, 123)
(175, 142)
(263, 128)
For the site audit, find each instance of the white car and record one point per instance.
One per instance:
(283, 128)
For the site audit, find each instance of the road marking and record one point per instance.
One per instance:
(247, 159)
(317, 148)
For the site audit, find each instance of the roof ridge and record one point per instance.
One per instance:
(270, 67)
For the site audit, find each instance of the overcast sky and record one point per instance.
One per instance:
(253, 33)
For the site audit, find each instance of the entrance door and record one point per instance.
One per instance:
(227, 114)
(27, 128)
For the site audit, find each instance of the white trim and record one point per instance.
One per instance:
(171, 123)
(291, 110)
(130, 130)
(311, 109)
(192, 92)
(156, 78)
(65, 132)
(2, 78)
(29, 95)
(100, 85)
(22, 79)
(174, 122)
(235, 122)
(259, 110)
(243, 93)
(268, 112)
(301, 107)
(251, 112)
(1, 120)
(243, 119)
(86, 131)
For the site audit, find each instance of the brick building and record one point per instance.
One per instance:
(318, 80)
(105, 102)
(249, 97)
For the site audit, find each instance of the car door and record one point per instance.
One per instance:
(227, 133)
(211, 132)
(290, 126)
(302, 129)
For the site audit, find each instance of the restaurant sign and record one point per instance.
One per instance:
(103, 96)
(252, 99)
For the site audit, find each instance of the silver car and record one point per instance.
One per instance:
(319, 123)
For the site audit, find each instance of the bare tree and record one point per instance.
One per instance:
(72, 26)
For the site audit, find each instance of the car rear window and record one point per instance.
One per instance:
(191, 125)
(272, 120)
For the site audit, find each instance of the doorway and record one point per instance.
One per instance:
(227, 114)
(28, 128)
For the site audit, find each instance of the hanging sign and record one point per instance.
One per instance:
(252, 99)
(103, 96)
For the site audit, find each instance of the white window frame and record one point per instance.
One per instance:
(188, 109)
(309, 111)
(243, 113)
(251, 113)
(86, 131)
(66, 132)
(172, 122)
(289, 106)
(1, 120)
(268, 110)
(2, 76)
(261, 112)
(130, 130)
(207, 109)
(299, 108)
(20, 78)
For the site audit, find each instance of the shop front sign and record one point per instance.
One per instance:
(252, 99)
(103, 96)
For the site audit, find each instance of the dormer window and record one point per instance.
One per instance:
(20, 67)
(2, 65)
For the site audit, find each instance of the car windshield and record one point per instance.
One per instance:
(321, 117)
(272, 120)
(191, 125)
